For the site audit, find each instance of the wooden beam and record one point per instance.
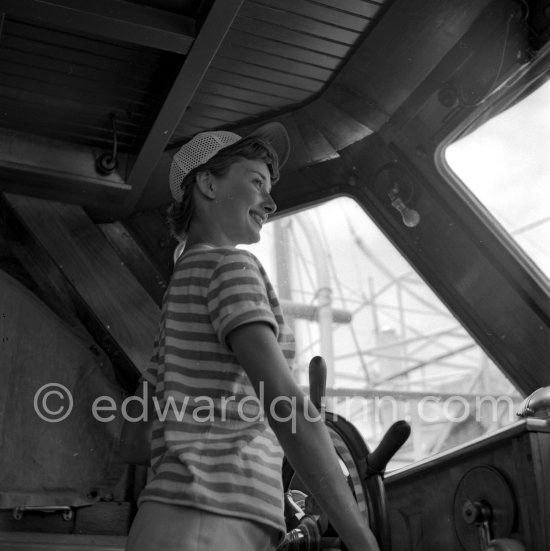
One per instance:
(136, 259)
(51, 287)
(111, 296)
(109, 19)
(200, 57)
(46, 167)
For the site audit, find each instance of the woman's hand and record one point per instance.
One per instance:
(303, 435)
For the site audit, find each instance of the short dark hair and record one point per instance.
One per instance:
(180, 214)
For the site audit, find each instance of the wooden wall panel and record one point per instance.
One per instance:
(106, 287)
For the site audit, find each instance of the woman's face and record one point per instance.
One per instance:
(243, 201)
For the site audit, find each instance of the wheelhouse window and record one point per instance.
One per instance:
(505, 164)
(393, 349)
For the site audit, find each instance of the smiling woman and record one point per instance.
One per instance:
(223, 339)
(231, 208)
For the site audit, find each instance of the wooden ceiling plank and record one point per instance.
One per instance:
(109, 19)
(282, 50)
(269, 75)
(200, 57)
(245, 109)
(250, 83)
(277, 33)
(251, 97)
(363, 8)
(308, 19)
(275, 62)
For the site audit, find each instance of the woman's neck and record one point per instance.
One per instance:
(205, 236)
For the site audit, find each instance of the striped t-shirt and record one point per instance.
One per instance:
(214, 450)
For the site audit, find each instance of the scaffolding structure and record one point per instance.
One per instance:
(393, 350)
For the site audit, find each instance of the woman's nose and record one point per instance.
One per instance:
(269, 204)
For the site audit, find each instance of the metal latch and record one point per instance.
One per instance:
(65, 510)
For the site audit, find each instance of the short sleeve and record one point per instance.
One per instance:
(237, 295)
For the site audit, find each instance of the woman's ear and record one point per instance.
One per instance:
(205, 184)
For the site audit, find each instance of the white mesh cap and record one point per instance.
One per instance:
(205, 145)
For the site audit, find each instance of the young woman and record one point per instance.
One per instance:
(227, 405)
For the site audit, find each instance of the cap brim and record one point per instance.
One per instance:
(276, 135)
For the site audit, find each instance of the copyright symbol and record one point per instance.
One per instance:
(53, 402)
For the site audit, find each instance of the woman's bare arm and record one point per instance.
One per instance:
(306, 443)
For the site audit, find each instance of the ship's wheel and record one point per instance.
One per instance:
(307, 526)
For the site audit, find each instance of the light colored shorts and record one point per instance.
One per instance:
(163, 527)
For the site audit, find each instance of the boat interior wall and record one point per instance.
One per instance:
(89, 278)
(506, 470)
(53, 464)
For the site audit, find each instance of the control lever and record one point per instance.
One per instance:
(369, 466)
(317, 381)
(394, 438)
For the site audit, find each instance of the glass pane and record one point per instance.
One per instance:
(393, 350)
(505, 163)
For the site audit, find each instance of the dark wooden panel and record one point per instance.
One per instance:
(250, 83)
(197, 118)
(275, 62)
(356, 105)
(427, 30)
(123, 60)
(288, 51)
(308, 19)
(105, 285)
(205, 117)
(240, 94)
(34, 271)
(105, 518)
(339, 128)
(189, 127)
(83, 79)
(541, 459)
(313, 145)
(87, 93)
(244, 109)
(42, 119)
(469, 71)
(70, 54)
(50, 106)
(136, 259)
(364, 8)
(68, 78)
(110, 19)
(423, 496)
(150, 229)
(295, 38)
(71, 462)
(266, 74)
